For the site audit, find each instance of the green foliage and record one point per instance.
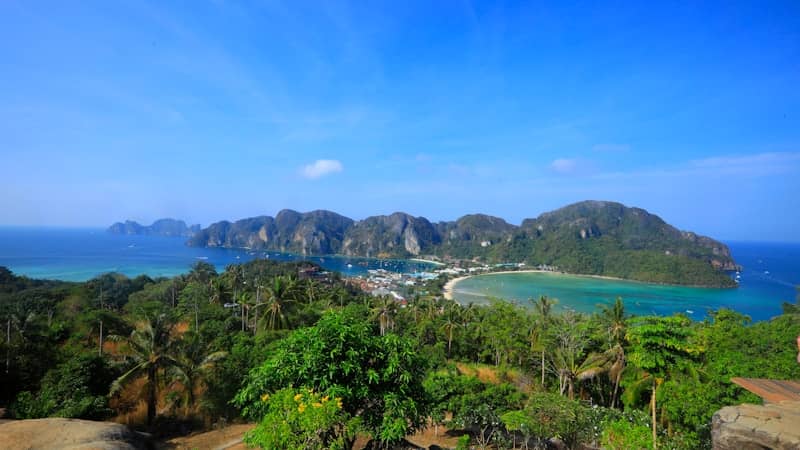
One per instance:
(378, 378)
(660, 345)
(302, 419)
(436, 359)
(623, 434)
(554, 416)
(74, 389)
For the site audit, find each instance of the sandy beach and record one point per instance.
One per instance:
(447, 290)
(436, 263)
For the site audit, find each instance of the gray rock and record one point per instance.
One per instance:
(69, 434)
(750, 427)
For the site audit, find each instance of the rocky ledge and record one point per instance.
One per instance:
(750, 427)
(72, 434)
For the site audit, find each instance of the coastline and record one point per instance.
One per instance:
(435, 263)
(449, 287)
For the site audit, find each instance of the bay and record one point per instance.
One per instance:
(79, 254)
(769, 276)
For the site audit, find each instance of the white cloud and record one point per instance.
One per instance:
(564, 165)
(321, 167)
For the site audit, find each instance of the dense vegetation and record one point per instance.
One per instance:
(592, 238)
(316, 363)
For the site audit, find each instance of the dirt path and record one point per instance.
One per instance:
(228, 438)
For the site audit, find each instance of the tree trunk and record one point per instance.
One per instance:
(571, 387)
(616, 389)
(543, 367)
(8, 345)
(151, 395)
(653, 408)
(100, 347)
(449, 341)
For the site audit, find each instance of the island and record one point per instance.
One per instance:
(589, 238)
(161, 227)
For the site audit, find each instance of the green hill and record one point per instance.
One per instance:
(590, 237)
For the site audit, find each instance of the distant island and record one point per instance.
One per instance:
(589, 237)
(161, 227)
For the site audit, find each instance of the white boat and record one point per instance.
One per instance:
(689, 311)
(349, 266)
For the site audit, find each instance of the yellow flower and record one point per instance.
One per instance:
(339, 403)
(298, 397)
(265, 397)
(317, 405)
(324, 399)
(301, 407)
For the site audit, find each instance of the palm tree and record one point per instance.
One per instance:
(235, 275)
(452, 321)
(192, 365)
(152, 347)
(243, 299)
(615, 320)
(543, 308)
(616, 323)
(218, 290)
(385, 310)
(279, 293)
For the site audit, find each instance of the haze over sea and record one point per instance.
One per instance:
(771, 271)
(79, 254)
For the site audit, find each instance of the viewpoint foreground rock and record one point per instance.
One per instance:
(69, 434)
(750, 427)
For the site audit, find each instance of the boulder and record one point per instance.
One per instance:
(750, 427)
(70, 434)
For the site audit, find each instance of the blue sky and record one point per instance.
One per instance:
(221, 110)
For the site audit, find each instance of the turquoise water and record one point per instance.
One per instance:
(771, 272)
(81, 254)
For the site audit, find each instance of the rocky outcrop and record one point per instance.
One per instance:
(591, 237)
(161, 227)
(749, 427)
(72, 434)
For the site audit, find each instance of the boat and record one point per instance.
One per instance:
(689, 311)
(349, 266)
(202, 257)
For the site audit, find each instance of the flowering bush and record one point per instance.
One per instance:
(303, 419)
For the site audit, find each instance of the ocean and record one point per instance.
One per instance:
(81, 254)
(769, 276)
(771, 271)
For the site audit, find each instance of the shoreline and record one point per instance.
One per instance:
(449, 287)
(435, 263)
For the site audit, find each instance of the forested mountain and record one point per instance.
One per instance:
(590, 237)
(161, 227)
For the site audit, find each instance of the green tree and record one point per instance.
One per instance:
(543, 308)
(378, 378)
(192, 365)
(279, 293)
(660, 346)
(152, 348)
